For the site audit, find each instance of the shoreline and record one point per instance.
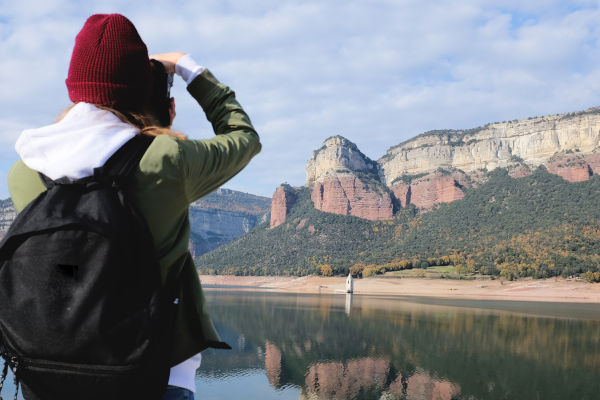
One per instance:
(541, 290)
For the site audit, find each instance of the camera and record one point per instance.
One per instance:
(160, 97)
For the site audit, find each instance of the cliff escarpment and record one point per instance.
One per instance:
(533, 140)
(222, 216)
(439, 166)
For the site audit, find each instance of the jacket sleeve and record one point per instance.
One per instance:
(207, 164)
(24, 185)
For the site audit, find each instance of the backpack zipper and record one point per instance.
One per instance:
(84, 369)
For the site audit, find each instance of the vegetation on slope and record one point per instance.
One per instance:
(231, 200)
(539, 226)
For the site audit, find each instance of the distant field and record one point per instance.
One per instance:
(431, 272)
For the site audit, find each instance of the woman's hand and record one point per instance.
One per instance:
(168, 60)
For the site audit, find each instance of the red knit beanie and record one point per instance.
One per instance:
(110, 64)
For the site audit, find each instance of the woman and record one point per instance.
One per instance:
(109, 81)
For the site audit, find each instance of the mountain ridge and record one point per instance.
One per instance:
(438, 166)
(482, 219)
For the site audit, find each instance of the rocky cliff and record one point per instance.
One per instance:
(426, 191)
(222, 216)
(339, 157)
(282, 201)
(345, 181)
(533, 140)
(438, 166)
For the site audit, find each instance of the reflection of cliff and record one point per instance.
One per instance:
(344, 380)
(421, 385)
(411, 350)
(273, 364)
(361, 378)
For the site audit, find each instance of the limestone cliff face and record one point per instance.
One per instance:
(282, 201)
(222, 216)
(345, 181)
(533, 140)
(339, 157)
(212, 228)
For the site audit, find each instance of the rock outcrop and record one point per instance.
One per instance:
(572, 168)
(345, 181)
(339, 156)
(350, 195)
(283, 199)
(431, 189)
(519, 171)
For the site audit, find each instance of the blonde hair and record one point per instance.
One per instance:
(146, 122)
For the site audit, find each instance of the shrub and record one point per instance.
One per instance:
(326, 270)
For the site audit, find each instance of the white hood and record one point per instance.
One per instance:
(83, 140)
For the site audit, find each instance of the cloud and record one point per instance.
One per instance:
(377, 72)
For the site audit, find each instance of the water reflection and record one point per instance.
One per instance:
(348, 307)
(357, 347)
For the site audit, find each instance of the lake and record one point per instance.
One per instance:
(369, 347)
(288, 346)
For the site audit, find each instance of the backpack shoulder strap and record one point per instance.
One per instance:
(122, 163)
(125, 160)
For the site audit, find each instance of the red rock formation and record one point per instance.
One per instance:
(431, 189)
(349, 195)
(283, 199)
(570, 168)
(519, 172)
(302, 224)
(593, 160)
(402, 193)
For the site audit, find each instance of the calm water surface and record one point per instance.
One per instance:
(368, 347)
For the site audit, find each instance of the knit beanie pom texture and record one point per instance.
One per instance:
(110, 64)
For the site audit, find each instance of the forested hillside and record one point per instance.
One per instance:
(539, 226)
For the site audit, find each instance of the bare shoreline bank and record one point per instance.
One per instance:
(541, 290)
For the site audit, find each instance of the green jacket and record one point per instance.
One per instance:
(172, 174)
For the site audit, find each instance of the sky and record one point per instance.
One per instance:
(377, 72)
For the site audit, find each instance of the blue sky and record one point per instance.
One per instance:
(377, 72)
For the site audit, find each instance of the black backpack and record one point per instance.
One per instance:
(83, 313)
